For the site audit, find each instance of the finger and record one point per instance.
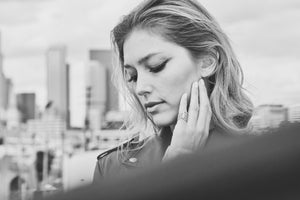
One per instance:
(182, 108)
(194, 105)
(205, 113)
(205, 110)
(183, 103)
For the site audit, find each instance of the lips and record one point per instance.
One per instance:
(151, 106)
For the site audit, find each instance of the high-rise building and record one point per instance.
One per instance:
(294, 113)
(2, 83)
(5, 89)
(13, 116)
(58, 81)
(104, 58)
(5, 96)
(26, 106)
(96, 88)
(1, 56)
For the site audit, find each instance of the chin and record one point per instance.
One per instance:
(163, 120)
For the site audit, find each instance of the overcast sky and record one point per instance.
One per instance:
(265, 35)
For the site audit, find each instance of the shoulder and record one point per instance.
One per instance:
(108, 162)
(130, 144)
(114, 149)
(129, 155)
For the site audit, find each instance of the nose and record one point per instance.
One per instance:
(143, 84)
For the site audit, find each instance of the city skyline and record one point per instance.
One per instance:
(264, 38)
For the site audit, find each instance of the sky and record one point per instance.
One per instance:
(264, 34)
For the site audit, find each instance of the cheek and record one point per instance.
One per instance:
(176, 87)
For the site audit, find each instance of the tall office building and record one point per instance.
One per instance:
(3, 97)
(104, 58)
(96, 88)
(1, 56)
(5, 89)
(58, 81)
(13, 116)
(26, 106)
(2, 83)
(7, 92)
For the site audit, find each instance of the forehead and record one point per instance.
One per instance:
(141, 43)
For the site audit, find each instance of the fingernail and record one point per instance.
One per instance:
(195, 84)
(202, 81)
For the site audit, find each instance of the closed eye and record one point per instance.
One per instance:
(159, 67)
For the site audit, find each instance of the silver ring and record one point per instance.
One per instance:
(183, 116)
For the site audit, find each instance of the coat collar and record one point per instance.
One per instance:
(146, 153)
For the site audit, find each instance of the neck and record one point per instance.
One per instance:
(167, 132)
(166, 135)
(172, 127)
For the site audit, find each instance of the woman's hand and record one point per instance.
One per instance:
(192, 128)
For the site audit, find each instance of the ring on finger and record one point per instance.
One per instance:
(183, 116)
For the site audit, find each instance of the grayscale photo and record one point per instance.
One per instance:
(149, 99)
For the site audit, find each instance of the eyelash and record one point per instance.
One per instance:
(159, 67)
(155, 69)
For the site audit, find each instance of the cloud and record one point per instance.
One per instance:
(263, 33)
(272, 80)
(260, 28)
(267, 41)
(79, 25)
(273, 36)
(18, 12)
(233, 11)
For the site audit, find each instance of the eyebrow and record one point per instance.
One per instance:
(142, 60)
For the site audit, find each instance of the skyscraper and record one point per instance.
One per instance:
(2, 83)
(1, 57)
(5, 88)
(96, 86)
(104, 58)
(58, 81)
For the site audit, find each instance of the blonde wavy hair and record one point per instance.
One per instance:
(187, 24)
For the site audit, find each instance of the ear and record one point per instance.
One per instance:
(207, 65)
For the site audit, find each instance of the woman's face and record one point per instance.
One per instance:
(158, 72)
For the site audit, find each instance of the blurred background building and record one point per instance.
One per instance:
(294, 113)
(96, 94)
(58, 81)
(26, 105)
(104, 58)
(102, 95)
(269, 116)
(5, 88)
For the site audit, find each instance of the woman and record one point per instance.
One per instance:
(180, 75)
